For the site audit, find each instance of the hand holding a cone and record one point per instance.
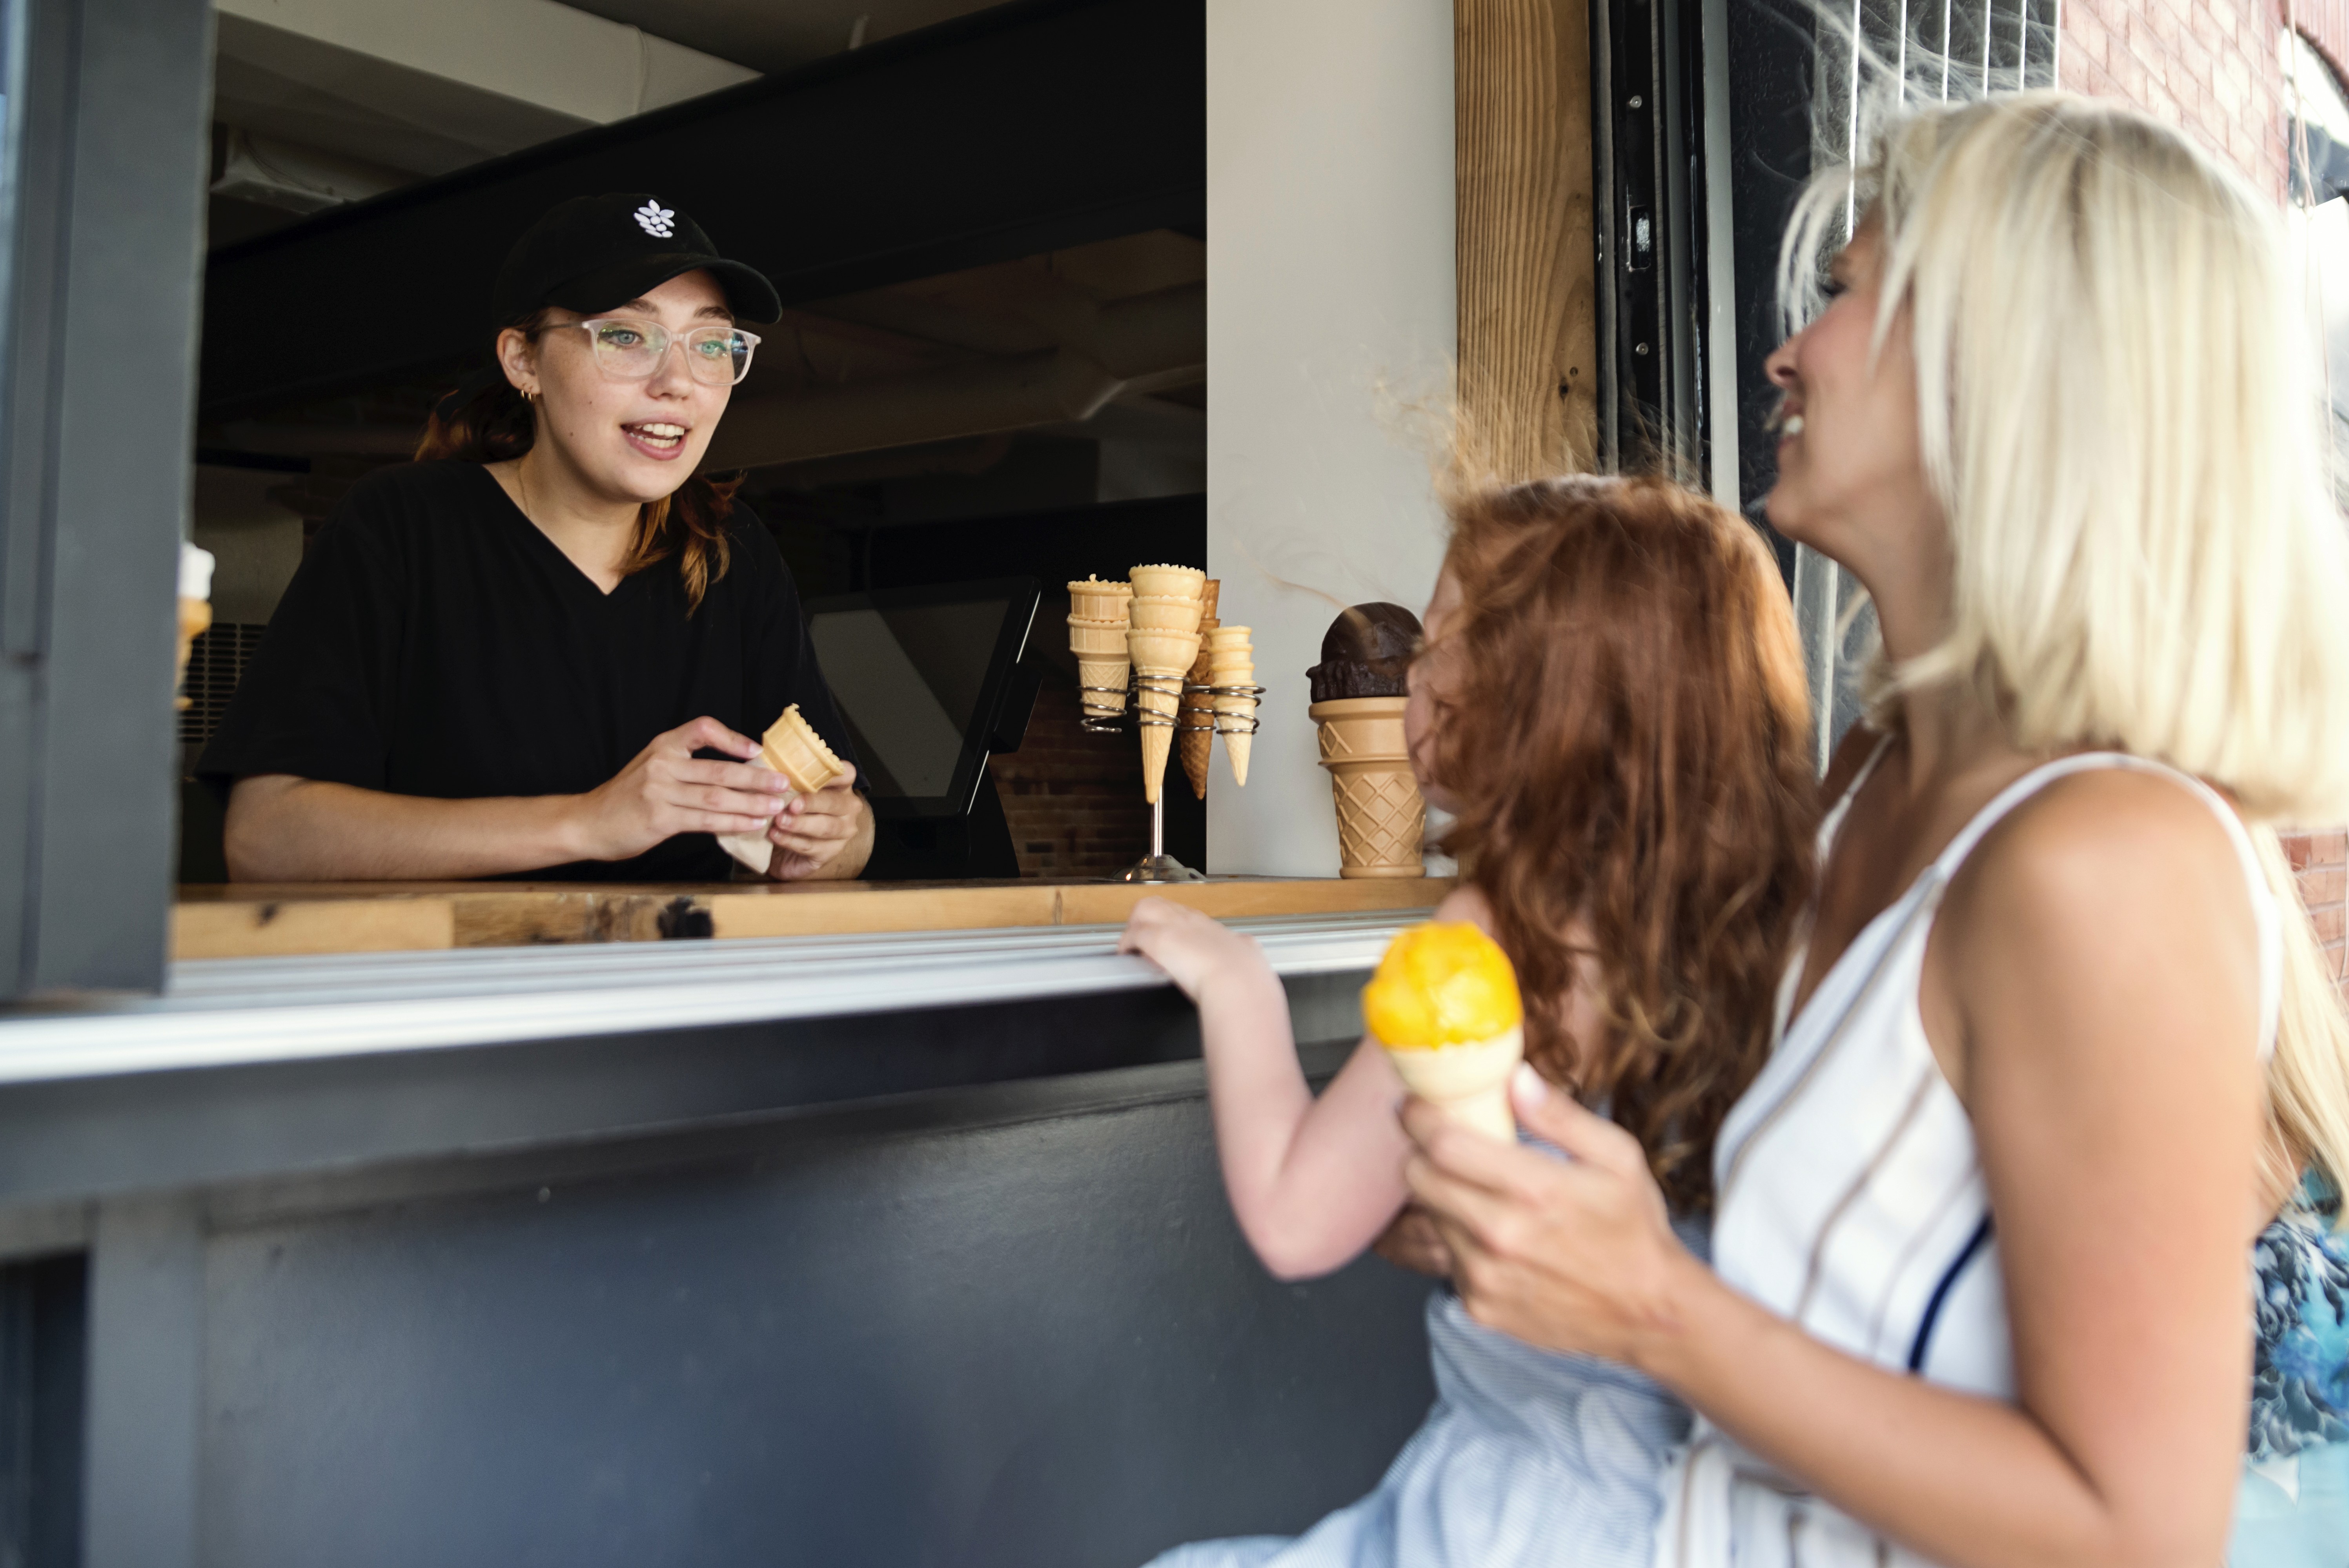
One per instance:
(1574, 1255)
(667, 790)
(822, 827)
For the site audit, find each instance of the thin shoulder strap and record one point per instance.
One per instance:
(1832, 823)
(2265, 917)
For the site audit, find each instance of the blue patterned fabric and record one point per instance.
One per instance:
(1528, 1460)
(2293, 1508)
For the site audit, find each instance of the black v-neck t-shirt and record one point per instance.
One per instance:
(436, 643)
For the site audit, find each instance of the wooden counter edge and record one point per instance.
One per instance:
(308, 927)
(828, 912)
(211, 927)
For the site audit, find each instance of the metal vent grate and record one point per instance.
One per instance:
(214, 667)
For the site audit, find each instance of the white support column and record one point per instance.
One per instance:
(1332, 294)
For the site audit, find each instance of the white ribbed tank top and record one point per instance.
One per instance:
(1850, 1200)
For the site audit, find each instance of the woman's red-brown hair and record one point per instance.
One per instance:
(501, 424)
(1624, 728)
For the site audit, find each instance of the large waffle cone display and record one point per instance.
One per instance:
(1380, 817)
(1468, 1081)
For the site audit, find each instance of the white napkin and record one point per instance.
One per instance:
(753, 849)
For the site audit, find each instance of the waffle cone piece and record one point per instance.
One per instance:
(1445, 1007)
(1195, 740)
(1168, 656)
(1380, 817)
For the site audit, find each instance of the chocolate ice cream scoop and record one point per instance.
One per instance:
(1366, 652)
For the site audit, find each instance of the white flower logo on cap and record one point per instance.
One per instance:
(655, 219)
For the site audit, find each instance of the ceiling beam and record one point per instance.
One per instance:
(482, 76)
(1030, 128)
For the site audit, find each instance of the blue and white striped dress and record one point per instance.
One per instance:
(1528, 1460)
(1849, 1200)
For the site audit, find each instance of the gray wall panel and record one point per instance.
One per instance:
(1038, 1344)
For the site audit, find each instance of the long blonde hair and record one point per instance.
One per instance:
(2121, 416)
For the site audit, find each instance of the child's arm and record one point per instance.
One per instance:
(1312, 1181)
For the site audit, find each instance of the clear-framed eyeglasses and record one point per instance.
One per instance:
(628, 349)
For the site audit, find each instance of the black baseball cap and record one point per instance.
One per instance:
(592, 253)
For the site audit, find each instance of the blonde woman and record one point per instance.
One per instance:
(2059, 1045)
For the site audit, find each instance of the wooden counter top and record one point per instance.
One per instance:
(282, 920)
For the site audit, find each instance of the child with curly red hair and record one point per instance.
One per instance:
(1610, 703)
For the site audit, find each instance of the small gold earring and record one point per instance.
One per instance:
(530, 395)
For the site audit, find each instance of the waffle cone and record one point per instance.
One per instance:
(1195, 743)
(1166, 612)
(795, 750)
(1380, 817)
(1468, 1081)
(1182, 582)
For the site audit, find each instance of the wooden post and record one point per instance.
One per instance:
(1527, 397)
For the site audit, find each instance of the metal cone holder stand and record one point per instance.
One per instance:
(1097, 714)
(1226, 724)
(1157, 865)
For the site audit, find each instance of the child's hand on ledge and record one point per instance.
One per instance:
(1196, 952)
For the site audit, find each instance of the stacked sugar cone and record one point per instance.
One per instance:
(1194, 742)
(1098, 620)
(1231, 661)
(1164, 642)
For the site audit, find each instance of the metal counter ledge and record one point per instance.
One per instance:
(890, 1246)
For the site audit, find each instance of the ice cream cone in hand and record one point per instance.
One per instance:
(1445, 1005)
(792, 748)
(1167, 657)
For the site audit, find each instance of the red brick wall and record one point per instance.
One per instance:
(1074, 800)
(2326, 24)
(2215, 67)
(2211, 66)
(2323, 862)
